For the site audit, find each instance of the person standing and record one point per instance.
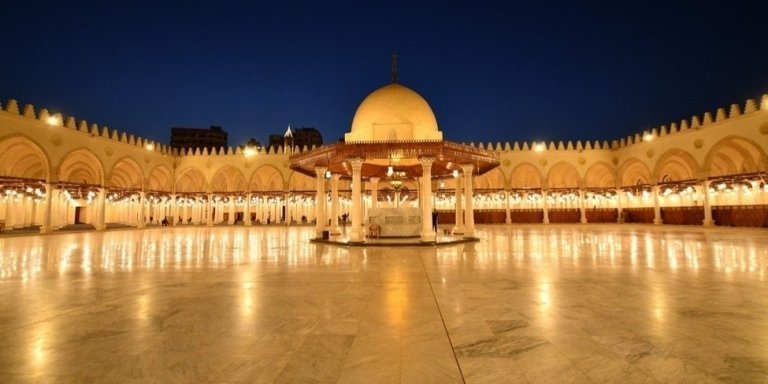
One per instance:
(434, 220)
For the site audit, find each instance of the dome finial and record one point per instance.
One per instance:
(394, 67)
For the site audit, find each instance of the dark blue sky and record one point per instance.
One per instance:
(495, 71)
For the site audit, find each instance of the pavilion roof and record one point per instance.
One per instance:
(378, 155)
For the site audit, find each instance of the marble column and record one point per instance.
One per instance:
(544, 195)
(174, 210)
(458, 228)
(320, 201)
(469, 212)
(335, 230)
(374, 192)
(209, 213)
(232, 211)
(247, 210)
(582, 208)
(46, 227)
(356, 234)
(656, 208)
(101, 210)
(427, 233)
(142, 206)
(619, 206)
(708, 222)
(508, 218)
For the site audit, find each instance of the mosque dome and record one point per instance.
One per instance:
(394, 112)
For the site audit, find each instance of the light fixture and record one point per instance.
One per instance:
(455, 173)
(52, 120)
(647, 136)
(328, 174)
(150, 147)
(539, 147)
(390, 171)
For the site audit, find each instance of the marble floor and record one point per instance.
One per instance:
(526, 304)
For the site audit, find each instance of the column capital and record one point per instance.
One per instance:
(356, 163)
(467, 168)
(426, 161)
(374, 180)
(320, 171)
(335, 176)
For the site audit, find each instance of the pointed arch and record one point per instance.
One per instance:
(676, 165)
(300, 182)
(126, 173)
(228, 179)
(526, 175)
(634, 172)
(160, 179)
(563, 175)
(81, 166)
(191, 180)
(493, 179)
(734, 155)
(266, 178)
(600, 175)
(21, 157)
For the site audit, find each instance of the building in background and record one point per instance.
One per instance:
(211, 138)
(301, 137)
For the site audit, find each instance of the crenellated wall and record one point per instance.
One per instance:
(38, 145)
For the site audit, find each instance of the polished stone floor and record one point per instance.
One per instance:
(527, 304)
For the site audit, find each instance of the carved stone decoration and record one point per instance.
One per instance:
(698, 143)
(109, 151)
(615, 160)
(506, 163)
(764, 129)
(543, 162)
(582, 161)
(650, 153)
(56, 140)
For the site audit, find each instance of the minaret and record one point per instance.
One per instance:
(288, 140)
(394, 67)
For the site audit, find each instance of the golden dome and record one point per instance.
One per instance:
(394, 112)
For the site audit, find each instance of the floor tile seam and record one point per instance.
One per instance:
(442, 318)
(71, 311)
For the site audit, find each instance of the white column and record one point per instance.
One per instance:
(101, 210)
(320, 201)
(619, 207)
(232, 210)
(427, 233)
(656, 208)
(356, 234)
(458, 228)
(142, 211)
(582, 208)
(707, 206)
(209, 213)
(46, 227)
(374, 192)
(508, 219)
(335, 204)
(247, 210)
(544, 195)
(469, 211)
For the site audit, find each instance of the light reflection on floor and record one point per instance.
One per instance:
(595, 303)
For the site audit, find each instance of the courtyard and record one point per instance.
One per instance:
(527, 304)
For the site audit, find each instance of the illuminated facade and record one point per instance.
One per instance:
(708, 170)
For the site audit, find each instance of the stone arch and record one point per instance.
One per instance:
(676, 165)
(734, 155)
(81, 166)
(228, 179)
(191, 180)
(160, 179)
(563, 175)
(634, 172)
(126, 173)
(526, 175)
(493, 179)
(266, 178)
(600, 175)
(301, 182)
(23, 158)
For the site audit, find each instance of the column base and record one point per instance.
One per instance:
(657, 222)
(356, 236)
(708, 223)
(469, 232)
(428, 236)
(457, 230)
(335, 230)
(584, 220)
(44, 230)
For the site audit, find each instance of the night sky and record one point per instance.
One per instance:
(497, 71)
